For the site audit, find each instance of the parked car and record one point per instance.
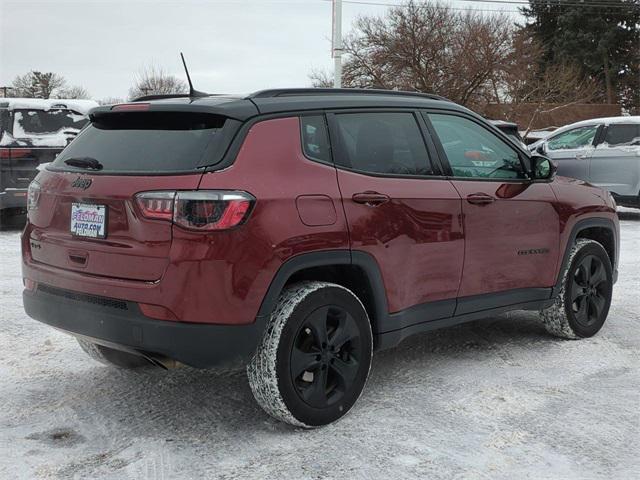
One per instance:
(300, 230)
(602, 151)
(33, 132)
(510, 129)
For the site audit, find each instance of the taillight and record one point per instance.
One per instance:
(131, 107)
(202, 210)
(156, 205)
(14, 152)
(33, 195)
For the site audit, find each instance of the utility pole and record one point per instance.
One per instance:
(336, 51)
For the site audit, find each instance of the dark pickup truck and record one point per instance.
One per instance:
(33, 132)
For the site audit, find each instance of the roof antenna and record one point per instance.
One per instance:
(192, 91)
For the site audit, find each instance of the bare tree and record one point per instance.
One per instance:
(154, 80)
(321, 79)
(36, 84)
(427, 47)
(111, 100)
(75, 91)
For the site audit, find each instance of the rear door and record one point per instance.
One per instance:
(615, 162)
(572, 149)
(511, 224)
(137, 151)
(399, 208)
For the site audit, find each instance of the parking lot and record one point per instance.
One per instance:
(497, 398)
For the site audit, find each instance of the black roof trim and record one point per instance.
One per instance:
(145, 98)
(293, 92)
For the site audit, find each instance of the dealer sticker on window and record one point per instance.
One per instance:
(88, 220)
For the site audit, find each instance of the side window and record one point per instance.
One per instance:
(473, 151)
(576, 138)
(622, 135)
(388, 143)
(315, 139)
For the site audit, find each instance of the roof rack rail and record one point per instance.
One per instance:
(292, 92)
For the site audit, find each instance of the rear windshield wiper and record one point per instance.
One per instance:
(84, 162)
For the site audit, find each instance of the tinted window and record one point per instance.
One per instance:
(473, 151)
(622, 135)
(576, 138)
(382, 143)
(315, 140)
(146, 141)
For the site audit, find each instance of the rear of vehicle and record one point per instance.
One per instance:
(102, 239)
(32, 133)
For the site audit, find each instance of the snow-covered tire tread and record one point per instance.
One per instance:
(554, 317)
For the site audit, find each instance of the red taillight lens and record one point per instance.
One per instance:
(156, 205)
(14, 152)
(209, 210)
(202, 210)
(131, 107)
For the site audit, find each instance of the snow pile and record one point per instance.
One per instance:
(80, 106)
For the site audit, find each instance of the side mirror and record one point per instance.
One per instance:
(541, 149)
(542, 168)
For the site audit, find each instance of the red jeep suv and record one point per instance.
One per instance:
(299, 230)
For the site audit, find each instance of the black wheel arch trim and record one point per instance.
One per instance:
(328, 258)
(577, 228)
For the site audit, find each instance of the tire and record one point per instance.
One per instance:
(583, 303)
(112, 357)
(314, 358)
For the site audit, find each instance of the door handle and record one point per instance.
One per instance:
(370, 198)
(480, 199)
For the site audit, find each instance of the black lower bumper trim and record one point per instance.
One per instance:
(196, 345)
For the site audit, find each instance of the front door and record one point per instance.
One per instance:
(399, 209)
(511, 225)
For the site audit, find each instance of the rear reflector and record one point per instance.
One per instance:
(29, 284)
(156, 311)
(202, 210)
(131, 107)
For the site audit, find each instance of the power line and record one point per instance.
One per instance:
(599, 4)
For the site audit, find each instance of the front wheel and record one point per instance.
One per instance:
(314, 358)
(583, 302)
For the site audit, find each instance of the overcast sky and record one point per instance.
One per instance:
(231, 46)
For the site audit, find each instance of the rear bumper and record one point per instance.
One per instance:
(120, 324)
(13, 198)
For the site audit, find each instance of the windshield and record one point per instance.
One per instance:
(146, 141)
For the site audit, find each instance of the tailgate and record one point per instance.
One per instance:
(133, 247)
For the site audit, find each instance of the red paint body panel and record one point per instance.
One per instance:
(416, 237)
(523, 216)
(218, 277)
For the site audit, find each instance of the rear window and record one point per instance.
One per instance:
(28, 123)
(147, 141)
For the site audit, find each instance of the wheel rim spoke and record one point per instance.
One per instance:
(345, 331)
(596, 303)
(577, 291)
(303, 361)
(581, 313)
(316, 392)
(599, 275)
(345, 369)
(317, 322)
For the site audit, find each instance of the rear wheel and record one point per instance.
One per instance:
(111, 356)
(313, 361)
(583, 302)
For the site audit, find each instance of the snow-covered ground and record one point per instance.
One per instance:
(494, 399)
